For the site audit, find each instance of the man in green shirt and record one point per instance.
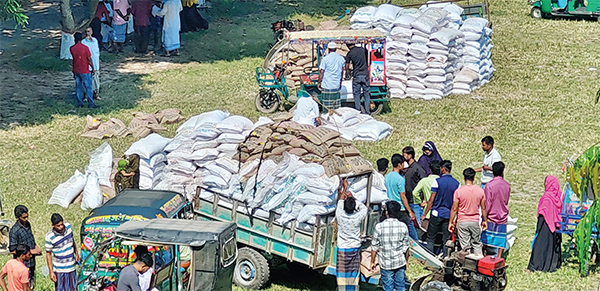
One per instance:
(422, 191)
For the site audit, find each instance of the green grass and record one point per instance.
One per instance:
(539, 108)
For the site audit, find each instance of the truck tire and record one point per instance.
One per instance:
(436, 286)
(251, 269)
(267, 101)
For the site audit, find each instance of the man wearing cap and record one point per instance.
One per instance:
(330, 77)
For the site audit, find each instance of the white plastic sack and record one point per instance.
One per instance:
(214, 181)
(206, 117)
(386, 12)
(66, 42)
(474, 24)
(148, 146)
(214, 169)
(311, 170)
(378, 196)
(310, 211)
(231, 138)
(228, 164)
(101, 160)
(363, 14)
(235, 124)
(373, 130)
(204, 155)
(154, 160)
(205, 144)
(64, 193)
(146, 182)
(314, 199)
(262, 121)
(92, 194)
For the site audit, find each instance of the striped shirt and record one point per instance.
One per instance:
(61, 245)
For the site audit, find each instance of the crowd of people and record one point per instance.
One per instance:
(425, 202)
(152, 22)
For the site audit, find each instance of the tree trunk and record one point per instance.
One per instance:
(67, 22)
(93, 4)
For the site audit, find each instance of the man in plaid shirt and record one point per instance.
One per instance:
(390, 245)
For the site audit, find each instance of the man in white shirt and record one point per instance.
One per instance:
(330, 77)
(349, 215)
(491, 156)
(92, 43)
(307, 111)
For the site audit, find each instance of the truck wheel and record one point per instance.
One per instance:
(436, 286)
(376, 108)
(251, 269)
(267, 101)
(536, 12)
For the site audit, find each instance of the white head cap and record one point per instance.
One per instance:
(331, 45)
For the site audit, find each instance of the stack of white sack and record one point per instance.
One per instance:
(478, 47)
(465, 81)
(397, 52)
(384, 16)
(358, 188)
(152, 170)
(361, 19)
(152, 159)
(429, 22)
(200, 154)
(443, 62)
(97, 174)
(454, 16)
(353, 125)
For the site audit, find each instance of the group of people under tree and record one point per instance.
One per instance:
(425, 202)
(150, 20)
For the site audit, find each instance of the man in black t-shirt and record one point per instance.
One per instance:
(360, 76)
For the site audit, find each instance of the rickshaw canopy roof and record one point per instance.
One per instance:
(344, 36)
(147, 203)
(193, 233)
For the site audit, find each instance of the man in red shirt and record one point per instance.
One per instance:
(16, 271)
(469, 201)
(82, 62)
(141, 10)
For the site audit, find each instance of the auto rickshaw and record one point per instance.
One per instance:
(213, 254)
(565, 8)
(282, 79)
(130, 204)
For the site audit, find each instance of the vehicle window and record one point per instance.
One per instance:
(205, 257)
(162, 256)
(228, 252)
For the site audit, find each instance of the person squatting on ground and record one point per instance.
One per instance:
(390, 246)
(307, 111)
(349, 214)
(491, 156)
(82, 62)
(413, 174)
(395, 185)
(440, 203)
(16, 271)
(497, 194)
(92, 44)
(361, 88)
(61, 254)
(129, 277)
(330, 77)
(546, 253)
(20, 234)
(469, 201)
(171, 25)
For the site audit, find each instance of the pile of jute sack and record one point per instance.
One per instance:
(270, 165)
(431, 51)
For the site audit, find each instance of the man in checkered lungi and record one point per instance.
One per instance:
(330, 77)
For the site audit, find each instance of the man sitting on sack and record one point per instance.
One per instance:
(330, 77)
(307, 111)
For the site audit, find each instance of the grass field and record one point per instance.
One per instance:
(539, 108)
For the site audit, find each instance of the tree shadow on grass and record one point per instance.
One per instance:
(240, 29)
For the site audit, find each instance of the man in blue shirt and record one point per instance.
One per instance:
(395, 186)
(440, 204)
(330, 77)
